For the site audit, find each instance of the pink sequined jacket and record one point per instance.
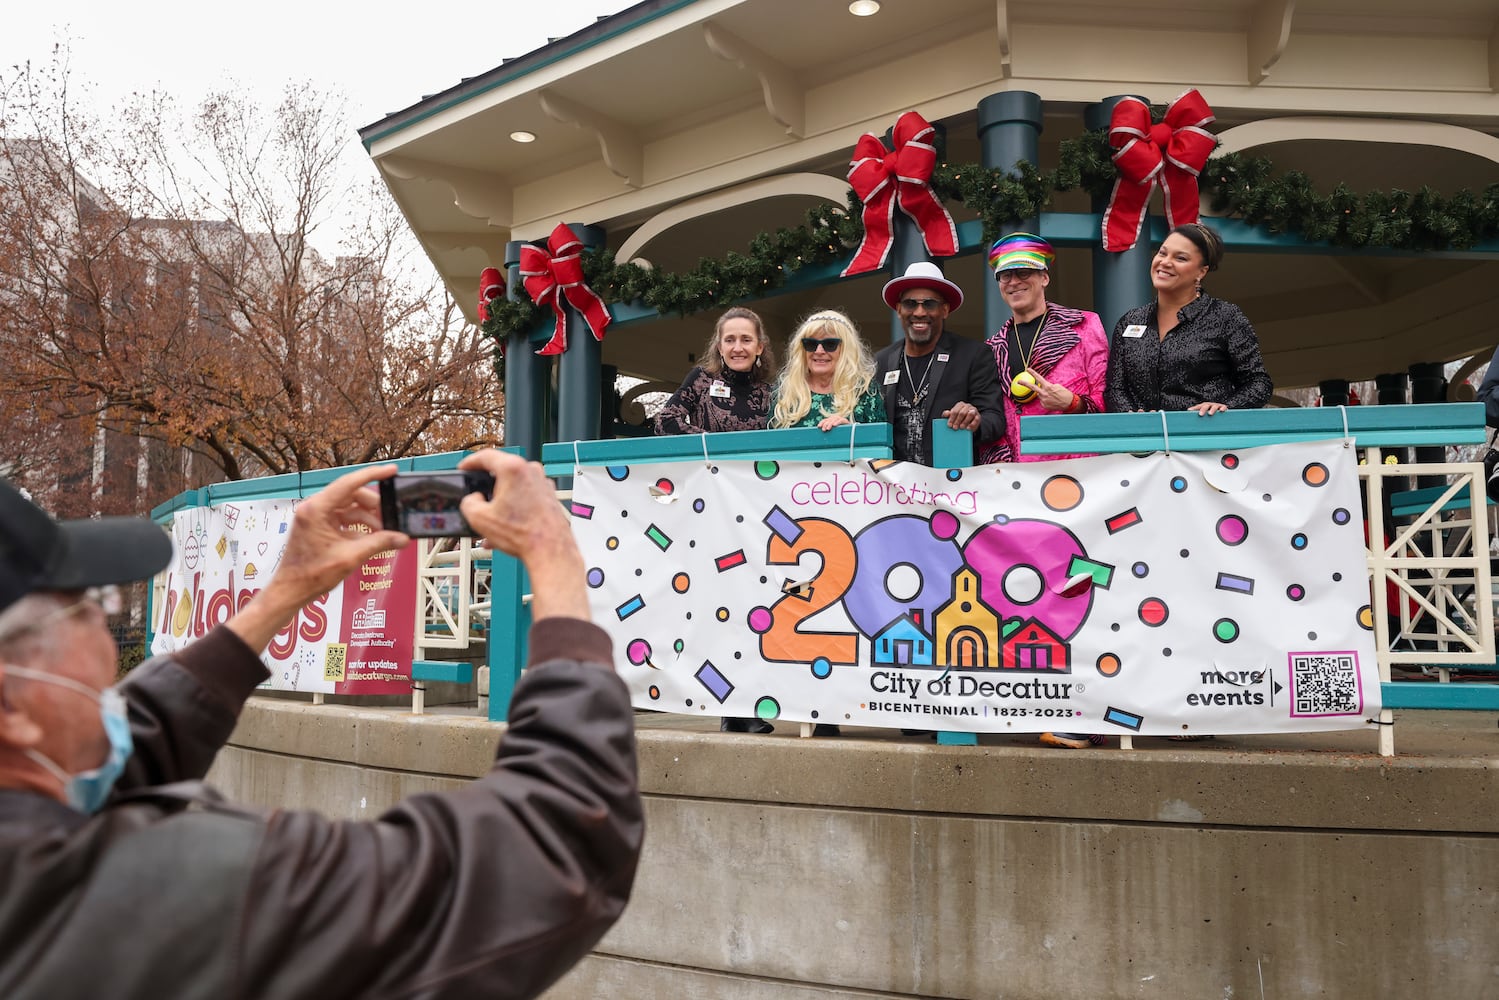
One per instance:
(1072, 350)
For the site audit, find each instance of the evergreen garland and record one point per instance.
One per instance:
(1238, 186)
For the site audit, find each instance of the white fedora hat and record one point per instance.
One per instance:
(923, 274)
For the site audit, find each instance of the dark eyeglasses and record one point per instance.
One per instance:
(108, 599)
(1016, 274)
(829, 344)
(930, 305)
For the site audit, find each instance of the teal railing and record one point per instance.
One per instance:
(1373, 427)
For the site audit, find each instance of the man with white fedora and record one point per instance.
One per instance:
(933, 372)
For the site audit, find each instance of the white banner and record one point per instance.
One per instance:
(1156, 595)
(355, 639)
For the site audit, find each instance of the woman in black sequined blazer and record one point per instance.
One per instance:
(1186, 350)
(730, 390)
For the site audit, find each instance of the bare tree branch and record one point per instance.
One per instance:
(164, 282)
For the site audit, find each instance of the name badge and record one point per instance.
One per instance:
(892, 377)
(1134, 331)
(718, 390)
(942, 358)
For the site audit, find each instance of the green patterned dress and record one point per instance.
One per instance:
(869, 410)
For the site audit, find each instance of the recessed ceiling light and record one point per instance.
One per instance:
(522, 136)
(864, 8)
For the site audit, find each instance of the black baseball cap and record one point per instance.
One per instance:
(40, 553)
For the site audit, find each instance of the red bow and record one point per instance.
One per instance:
(546, 275)
(1173, 153)
(491, 287)
(884, 179)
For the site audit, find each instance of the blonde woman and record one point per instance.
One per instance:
(828, 378)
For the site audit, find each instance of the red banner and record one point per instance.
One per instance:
(378, 626)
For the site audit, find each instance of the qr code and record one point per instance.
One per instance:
(335, 660)
(1324, 684)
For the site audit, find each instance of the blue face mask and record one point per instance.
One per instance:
(87, 791)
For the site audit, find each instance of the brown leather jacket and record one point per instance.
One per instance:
(492, 890)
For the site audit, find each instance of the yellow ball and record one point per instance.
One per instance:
(1023, 388)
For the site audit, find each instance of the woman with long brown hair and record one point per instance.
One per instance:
(729, 390)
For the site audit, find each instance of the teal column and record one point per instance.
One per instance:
(908, 247)
(1009, 132)
(1429, 385)
(509, 631)
(1391, 389)
(1334, 392)
(608, 403)
(1121, 281)
(526, 375)
(579, 373)
(951, 450)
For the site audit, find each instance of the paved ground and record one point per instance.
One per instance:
(1450, 735)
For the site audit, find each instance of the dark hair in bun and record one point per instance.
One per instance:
(1207, 242)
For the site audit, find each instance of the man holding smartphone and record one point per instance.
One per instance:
(121, 872)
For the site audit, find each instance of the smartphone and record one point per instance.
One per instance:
(425, 504)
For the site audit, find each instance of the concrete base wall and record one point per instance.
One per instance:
(880, 868)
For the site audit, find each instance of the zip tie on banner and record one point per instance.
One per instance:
(851, 427)
(576, 460)
(1164, 432)
(707, 462)
(1344, 411)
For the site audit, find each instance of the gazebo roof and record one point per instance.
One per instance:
(733, 116)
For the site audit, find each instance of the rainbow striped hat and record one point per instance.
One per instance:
(1021, 250)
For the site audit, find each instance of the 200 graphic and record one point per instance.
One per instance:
(1011, 570)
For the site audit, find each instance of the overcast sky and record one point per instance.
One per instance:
(383, 56)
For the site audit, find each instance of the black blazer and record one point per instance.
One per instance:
(967, 375)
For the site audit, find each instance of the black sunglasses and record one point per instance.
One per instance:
(930, 305)
(829, 344)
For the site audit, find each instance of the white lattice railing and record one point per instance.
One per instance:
(1438, 565)
(446, 593)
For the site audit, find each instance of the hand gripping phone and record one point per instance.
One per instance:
(425, 504)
